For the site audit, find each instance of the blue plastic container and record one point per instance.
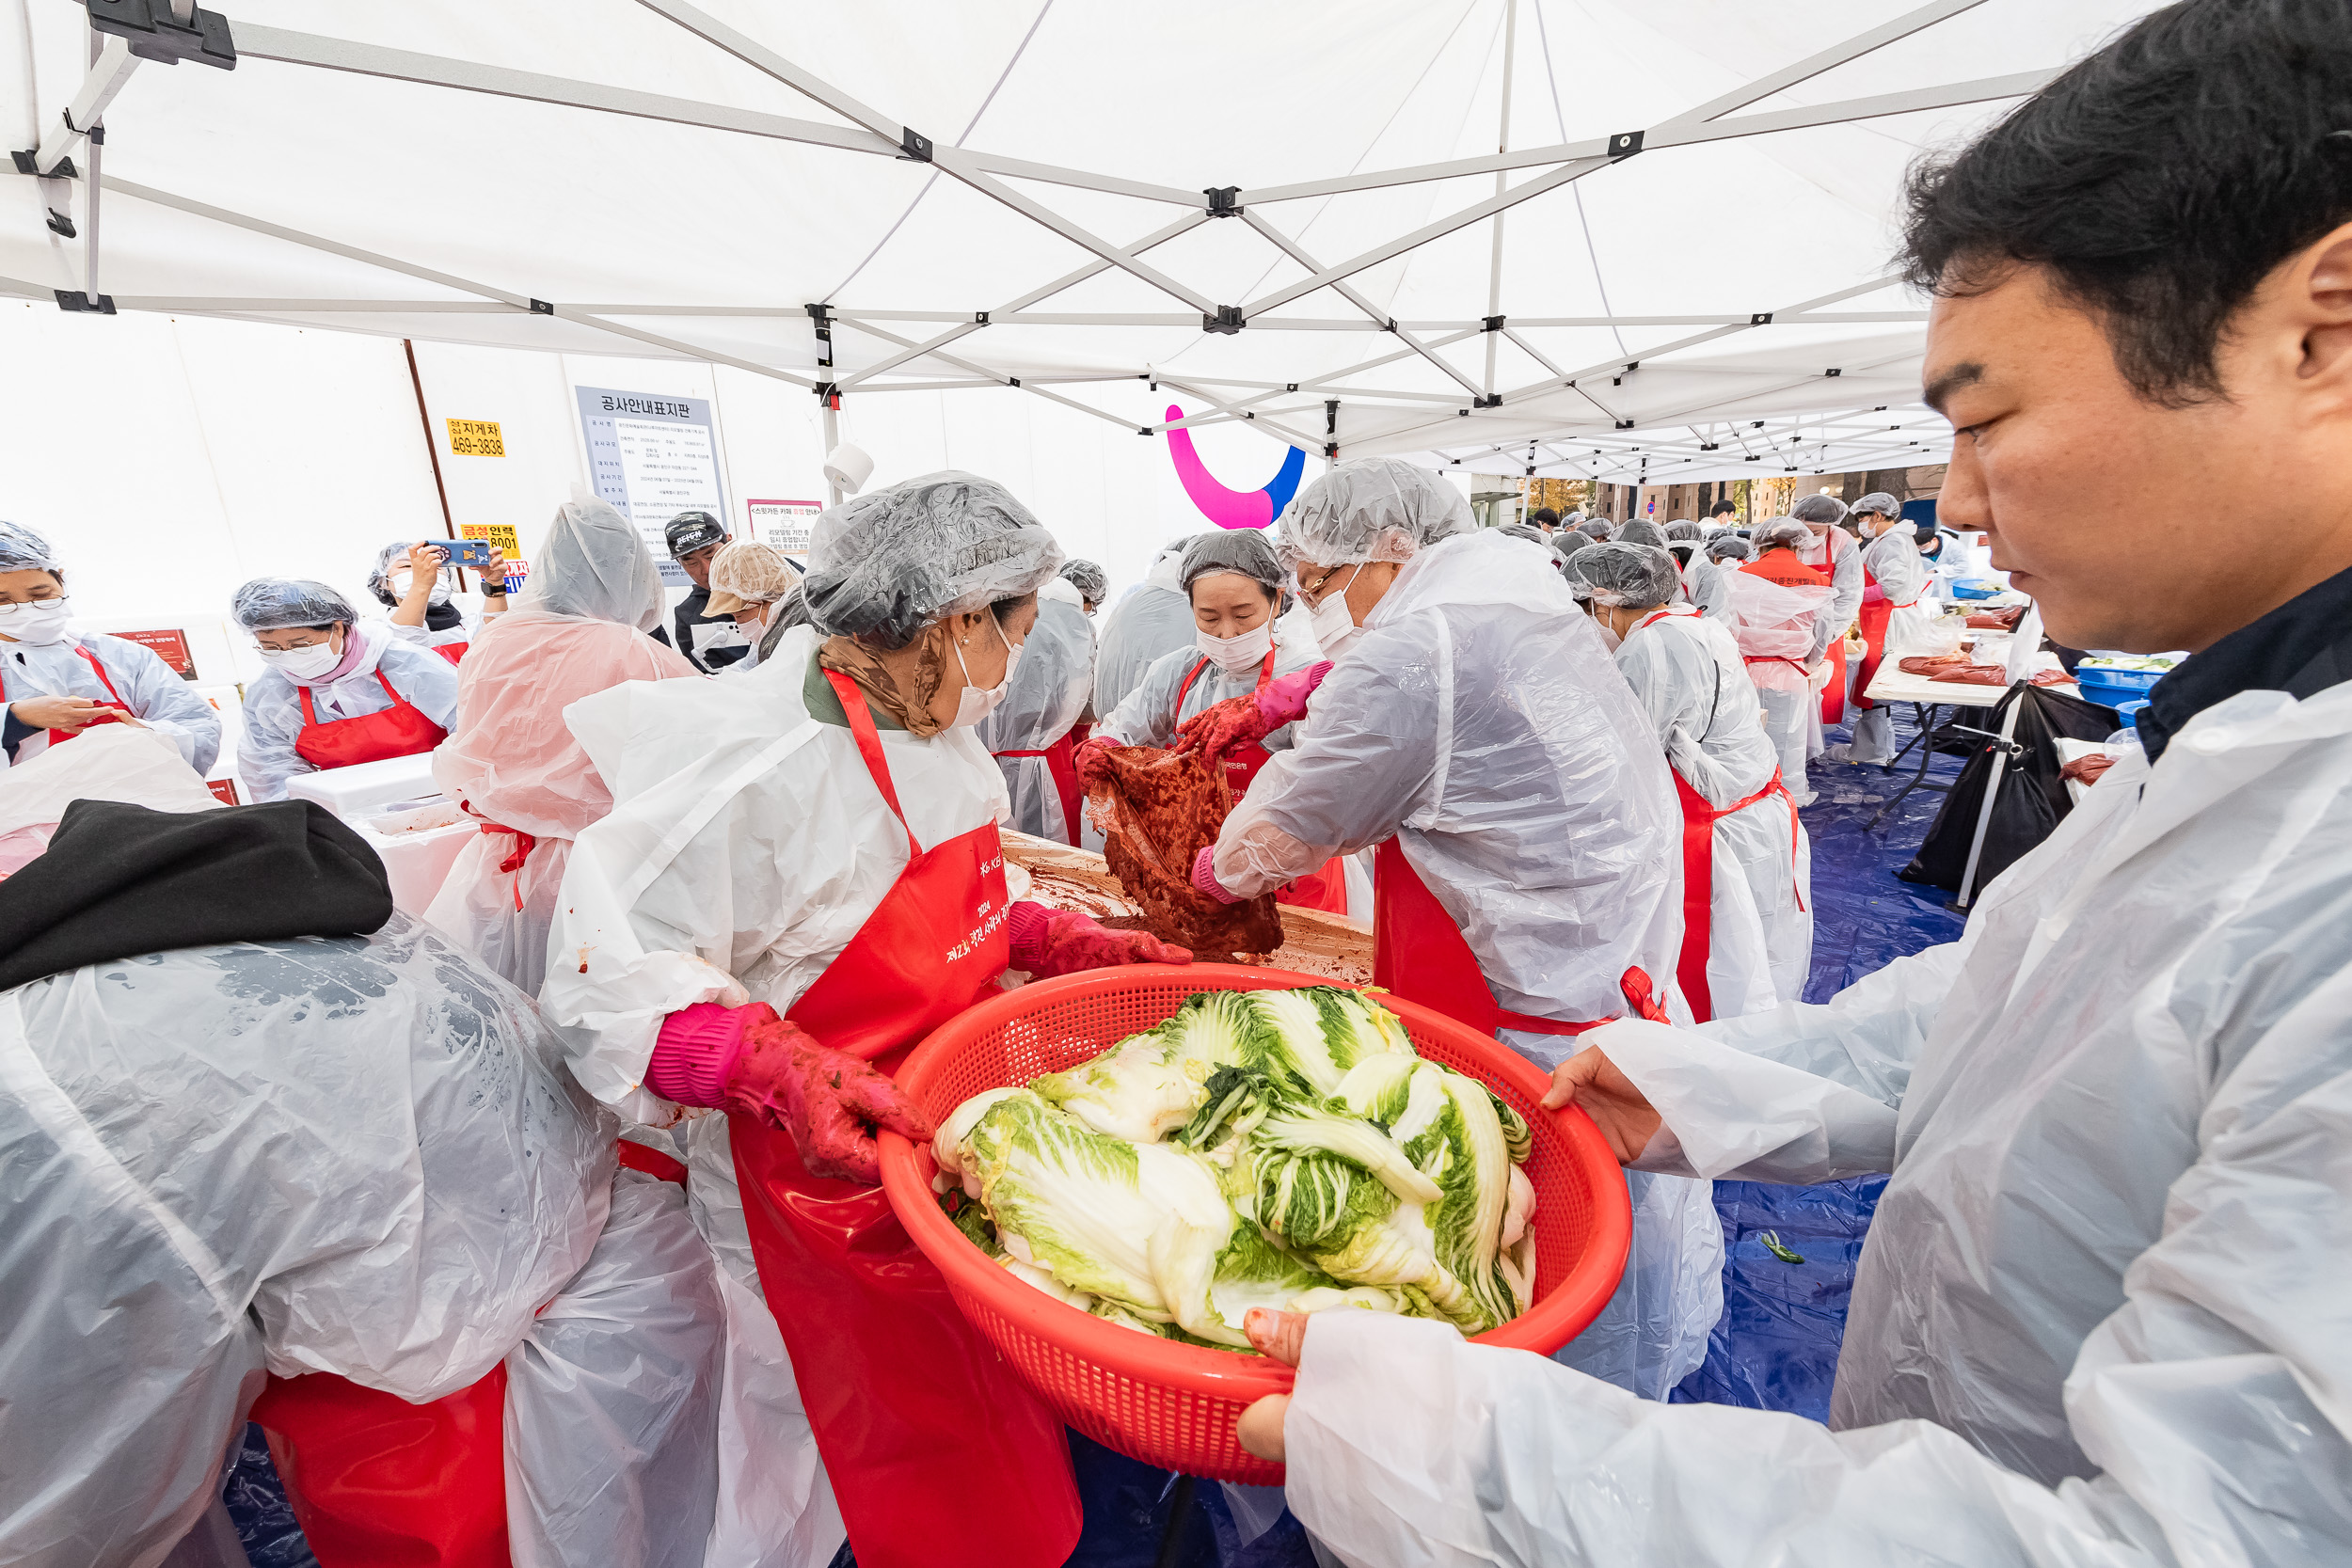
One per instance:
(2109, 688)
(1975, 588)
(2129, 712)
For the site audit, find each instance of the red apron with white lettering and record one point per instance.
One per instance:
(1418, 953)
(399, 731)
(931, 1442)
(1324, 890)
(35, 745)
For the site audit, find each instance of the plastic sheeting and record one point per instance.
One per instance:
(1151, 621)
(1050, 689)
(410, 1176)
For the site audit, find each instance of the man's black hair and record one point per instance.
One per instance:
(1723, 507)
(2159, 181)
(1543, 515)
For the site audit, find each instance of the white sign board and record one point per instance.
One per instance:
(652, 457)
(784, 525)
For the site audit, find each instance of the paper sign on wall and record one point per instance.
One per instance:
(224, 790)
(509, 544)
(784, 524)
(169, 647)
(475, 438)
(650, 458)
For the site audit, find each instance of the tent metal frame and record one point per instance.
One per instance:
(1382, 416)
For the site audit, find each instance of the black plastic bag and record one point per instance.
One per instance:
(2033, 798)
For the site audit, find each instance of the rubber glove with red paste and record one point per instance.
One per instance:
(751, 1062)
(1049, 941)
(1244, 721)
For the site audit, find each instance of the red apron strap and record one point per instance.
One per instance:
(309, 720)
(870, 746)
(1019, 753)
(91, 660)
(1190, 675)
(1641, 997)
(1698, 896)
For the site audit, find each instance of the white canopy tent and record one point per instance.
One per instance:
(1295, 217)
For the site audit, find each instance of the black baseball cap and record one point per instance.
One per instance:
(690, 532)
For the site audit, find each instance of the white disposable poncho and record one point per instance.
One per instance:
(1709, 587)
(1836, 557)
(273, 706)
(2101, 1317)
(745, 847)
(1893, 560)
(140, 680)
(1049, 691)
(1153, 711)
(357, 1156)
(1139, 630)
(1690, 679)
(1555, 845)
(579, 630)
(1776, 628)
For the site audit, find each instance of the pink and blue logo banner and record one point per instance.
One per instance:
(1231, 507)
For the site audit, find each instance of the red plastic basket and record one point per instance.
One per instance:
(1172, 1404)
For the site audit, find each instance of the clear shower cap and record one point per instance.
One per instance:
(1243, 552)
(1090, 581)
(1782, 531)
(1623, 574)
(886, 565)
(1819, 509)
(1729, 546)
(747, 573)
(23, 550)
(1641, 532)
(271, 604)
(594, 563)
(1376, 509)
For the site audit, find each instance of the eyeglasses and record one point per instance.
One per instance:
(20, 607)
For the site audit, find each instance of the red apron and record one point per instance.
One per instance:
(27, 751)
(399, 731)
(454, 652)
(1324, 890)
(1061, 765)
(1418, 953)
(1834, 694)
(927, 1435)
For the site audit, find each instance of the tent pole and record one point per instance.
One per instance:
(1502, 145)
(832, 439)
(449, 524)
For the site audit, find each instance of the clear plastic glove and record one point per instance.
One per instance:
(1205, 877)
(1819, 675)
(1244, 721)
(748, 1060)
(1282, 1337)
(1048, 942)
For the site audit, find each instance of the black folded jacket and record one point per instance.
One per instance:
(120, 879)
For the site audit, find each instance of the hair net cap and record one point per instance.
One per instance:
(270, 604)
(594, 564)
(1090, 581)
(380, 575)
(23, 550)
(1568, 541)
(1729, 546)
(889, 562)
(1593, 528)
(1683, 529)
(690, 532)
(1527, 532)
(1783, 531)
(1374, 509)
(747, 573)
(1819, 509)
(1625, 573)
(1880, 502)
(1641, 532)
(1241, 550)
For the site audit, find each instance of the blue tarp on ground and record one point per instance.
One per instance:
(1777, 1347)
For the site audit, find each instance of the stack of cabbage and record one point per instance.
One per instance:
(1282, 1149)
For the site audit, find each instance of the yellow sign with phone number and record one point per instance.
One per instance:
(475, 438)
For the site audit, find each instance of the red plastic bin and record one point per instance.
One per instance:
(1171, 1404)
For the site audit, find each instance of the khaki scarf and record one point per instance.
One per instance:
(909, 703)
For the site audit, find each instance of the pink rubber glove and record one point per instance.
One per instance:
(1048, 942)
(1087, 762)
(1205, 877)
(1243, 721)
(750, 1061)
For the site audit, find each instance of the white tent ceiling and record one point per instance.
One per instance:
(651, 178)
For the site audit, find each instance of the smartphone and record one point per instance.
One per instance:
(468, 552)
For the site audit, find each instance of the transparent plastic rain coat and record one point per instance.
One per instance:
(1139, 630)
(1690, 679)
(1149, 715)
(688, 892)
(2101, 1314)
(509, 757)
(360, 1156)
(1893, 560)
(1556, 848)
(1049, 691)
(1836, 557)
(1777, 629)
(136, 677)
(273, 706)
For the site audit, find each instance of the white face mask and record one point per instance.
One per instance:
(401, 578)
(40, 623)
(1333, 626)
(973, 703)
(1238, 655)
(1609, 638)
(303, 664)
